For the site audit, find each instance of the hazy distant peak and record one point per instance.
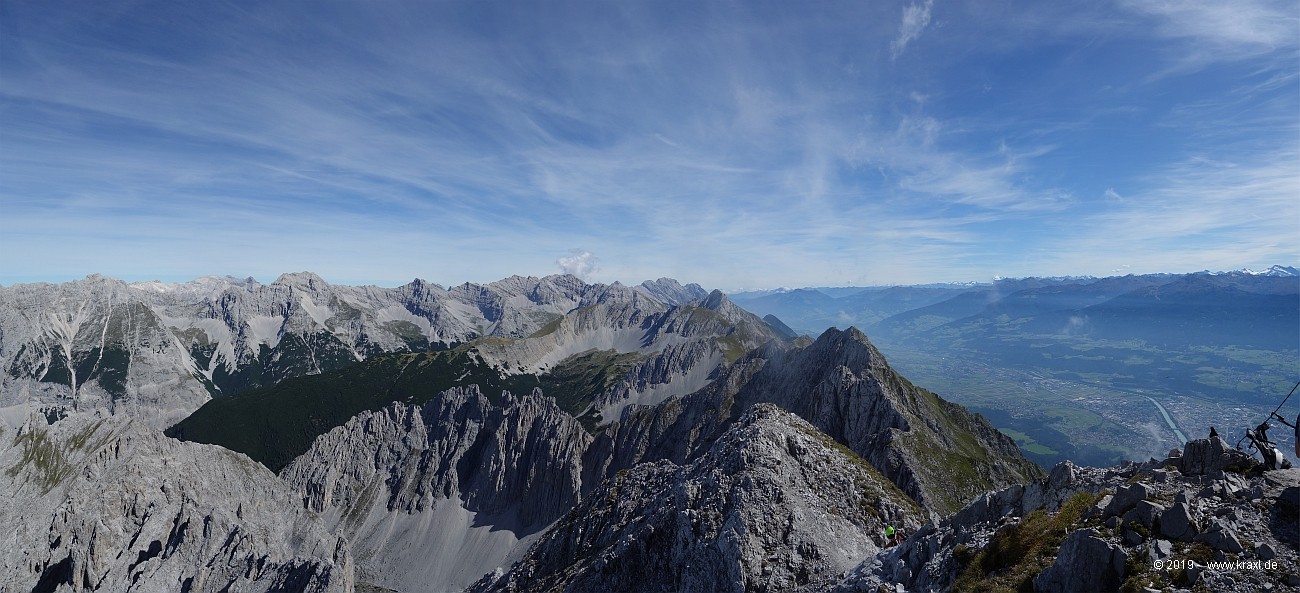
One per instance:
(308, 280)
(670, 291)
(206, 284)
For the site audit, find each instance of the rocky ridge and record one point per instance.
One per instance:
(88, 345)
(938, 453)
(622, 351)
(773, 505)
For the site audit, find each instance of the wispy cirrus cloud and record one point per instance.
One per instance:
(916, 17)
(1249, 26)
(1193, 215)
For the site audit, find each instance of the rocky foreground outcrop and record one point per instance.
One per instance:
(1207, 518)
(109, 504)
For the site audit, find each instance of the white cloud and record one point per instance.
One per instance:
(915, 19)
(578, 263)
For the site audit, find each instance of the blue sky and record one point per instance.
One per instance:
(754, 144)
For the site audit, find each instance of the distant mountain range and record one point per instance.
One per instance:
(811, 310)
(458, 424)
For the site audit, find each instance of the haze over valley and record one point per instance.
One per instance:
(1074, 367)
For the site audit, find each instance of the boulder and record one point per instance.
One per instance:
(1265, 551)
(1084, 563)
(1127, 498)
(1097, 509)
(1144, 512)
(1159, 549)
(1289, 500)
(1176, 523)
(1221, 538)
(1064, 474)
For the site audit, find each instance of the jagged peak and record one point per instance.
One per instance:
(566, 278)
(839, 337)
(420, 284)
(716, 301)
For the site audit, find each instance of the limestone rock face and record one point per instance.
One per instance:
(434, 496)
(773, 505)
(94, 344)
(109, 504)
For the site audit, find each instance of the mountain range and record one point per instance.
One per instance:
(538, 434)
